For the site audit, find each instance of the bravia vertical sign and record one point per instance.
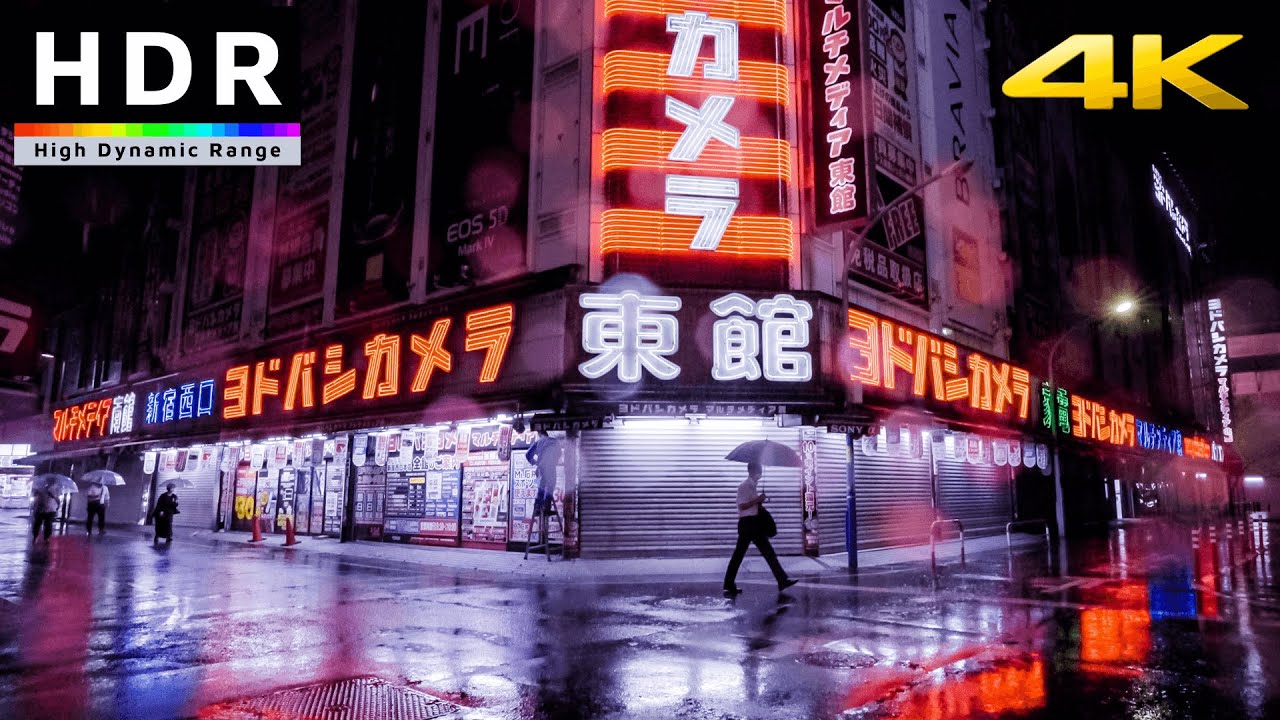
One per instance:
(178, 86)
(693, 156)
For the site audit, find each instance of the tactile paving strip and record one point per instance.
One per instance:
(364, 698)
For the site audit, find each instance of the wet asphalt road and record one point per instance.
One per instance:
(1144, 626)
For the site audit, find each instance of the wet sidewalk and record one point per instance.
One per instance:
(513, 563)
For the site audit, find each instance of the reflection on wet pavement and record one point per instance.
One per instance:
(1153, 621)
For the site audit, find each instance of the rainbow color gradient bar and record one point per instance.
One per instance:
(156, 130)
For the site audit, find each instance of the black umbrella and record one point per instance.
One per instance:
(764, 452)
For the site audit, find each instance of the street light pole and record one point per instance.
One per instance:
(959, 167)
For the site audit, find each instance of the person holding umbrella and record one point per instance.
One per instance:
(99, 496)
(44, 507)
(755, 524)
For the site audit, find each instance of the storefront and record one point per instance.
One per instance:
(413, 427)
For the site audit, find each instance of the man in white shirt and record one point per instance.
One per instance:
(98, 497)
(750, 530)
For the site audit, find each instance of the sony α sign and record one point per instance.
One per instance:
(215, 85)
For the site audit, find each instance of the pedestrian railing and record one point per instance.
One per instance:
(933, 539)
(1008, 529)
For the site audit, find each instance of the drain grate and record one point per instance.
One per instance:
(364, 698)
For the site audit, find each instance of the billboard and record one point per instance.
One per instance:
(382, 157)
(218, 251)
(480, 168)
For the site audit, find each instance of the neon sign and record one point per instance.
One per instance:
(94, 419)
(883, 350)
(1197, 447)
(839, 163)
(1156, 437)
(631, 335)
(696, 129)
(1181, 227)
(1221, 367)
(184, 402)
(326, 375)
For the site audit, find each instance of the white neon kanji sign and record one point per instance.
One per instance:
(630, 332)
(713, 199)
(775, 349)
(690, 28)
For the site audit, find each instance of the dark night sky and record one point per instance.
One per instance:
(1225, 157)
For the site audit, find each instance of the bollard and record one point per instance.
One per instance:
(257, 529)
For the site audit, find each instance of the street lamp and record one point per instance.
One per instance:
(1121, 308)
(959, 168)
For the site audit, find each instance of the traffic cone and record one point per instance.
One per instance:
(289, 537)
(257, 529)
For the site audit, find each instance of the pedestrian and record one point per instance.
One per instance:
(98, 496)
(752, 530)
(545, 455)
(44, 508)
(166, 508)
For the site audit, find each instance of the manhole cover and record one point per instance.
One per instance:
(837, 660)
(355, 699)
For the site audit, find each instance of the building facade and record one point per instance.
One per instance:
(627, 226)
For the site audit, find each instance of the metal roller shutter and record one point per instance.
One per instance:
(197, 504)
(663, 487)
(833, 484)
(895, 497)
(975, 494)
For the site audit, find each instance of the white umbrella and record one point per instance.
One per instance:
(102, 477)
(60, 484)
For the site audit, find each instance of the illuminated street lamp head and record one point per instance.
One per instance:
(1124, 307)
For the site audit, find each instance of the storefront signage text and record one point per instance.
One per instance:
(1218, 334)
(1055, 409)
(1197, 447)
(95, 419)
(636, 409)
(184, 402)
(839, 155)
(1155, 437)
(1181, 227)
(885, 353)
(710, 161)
(295, 386)
(1094, 421)
(631, 335)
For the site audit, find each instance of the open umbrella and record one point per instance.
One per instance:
(60, 484)
(179, 483)
(764, 452)
(102, 477)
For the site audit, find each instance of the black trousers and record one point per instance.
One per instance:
(42, 519)
(98, 510)
(749, 532)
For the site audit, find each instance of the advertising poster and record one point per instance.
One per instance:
(892, 258)
(334, 497)
(809, 482)
(382, 156)
(244, 504)
(286, 497)
(304, 192)
(371, 489)
(480, 172)
(218, 251)
(485, 502)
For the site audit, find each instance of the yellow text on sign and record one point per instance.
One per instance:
(1151, 69)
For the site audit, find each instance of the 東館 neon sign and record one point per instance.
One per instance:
(392, 365)
(693, 151)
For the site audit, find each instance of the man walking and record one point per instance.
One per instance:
(750, 530)
(98, 496)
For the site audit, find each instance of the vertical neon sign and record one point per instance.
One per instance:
(693, 157)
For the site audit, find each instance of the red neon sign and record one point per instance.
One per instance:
(882, 350)
(693, 154)
(1092, 420)
(1197, 447)
(82, 422)
(387, 358)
